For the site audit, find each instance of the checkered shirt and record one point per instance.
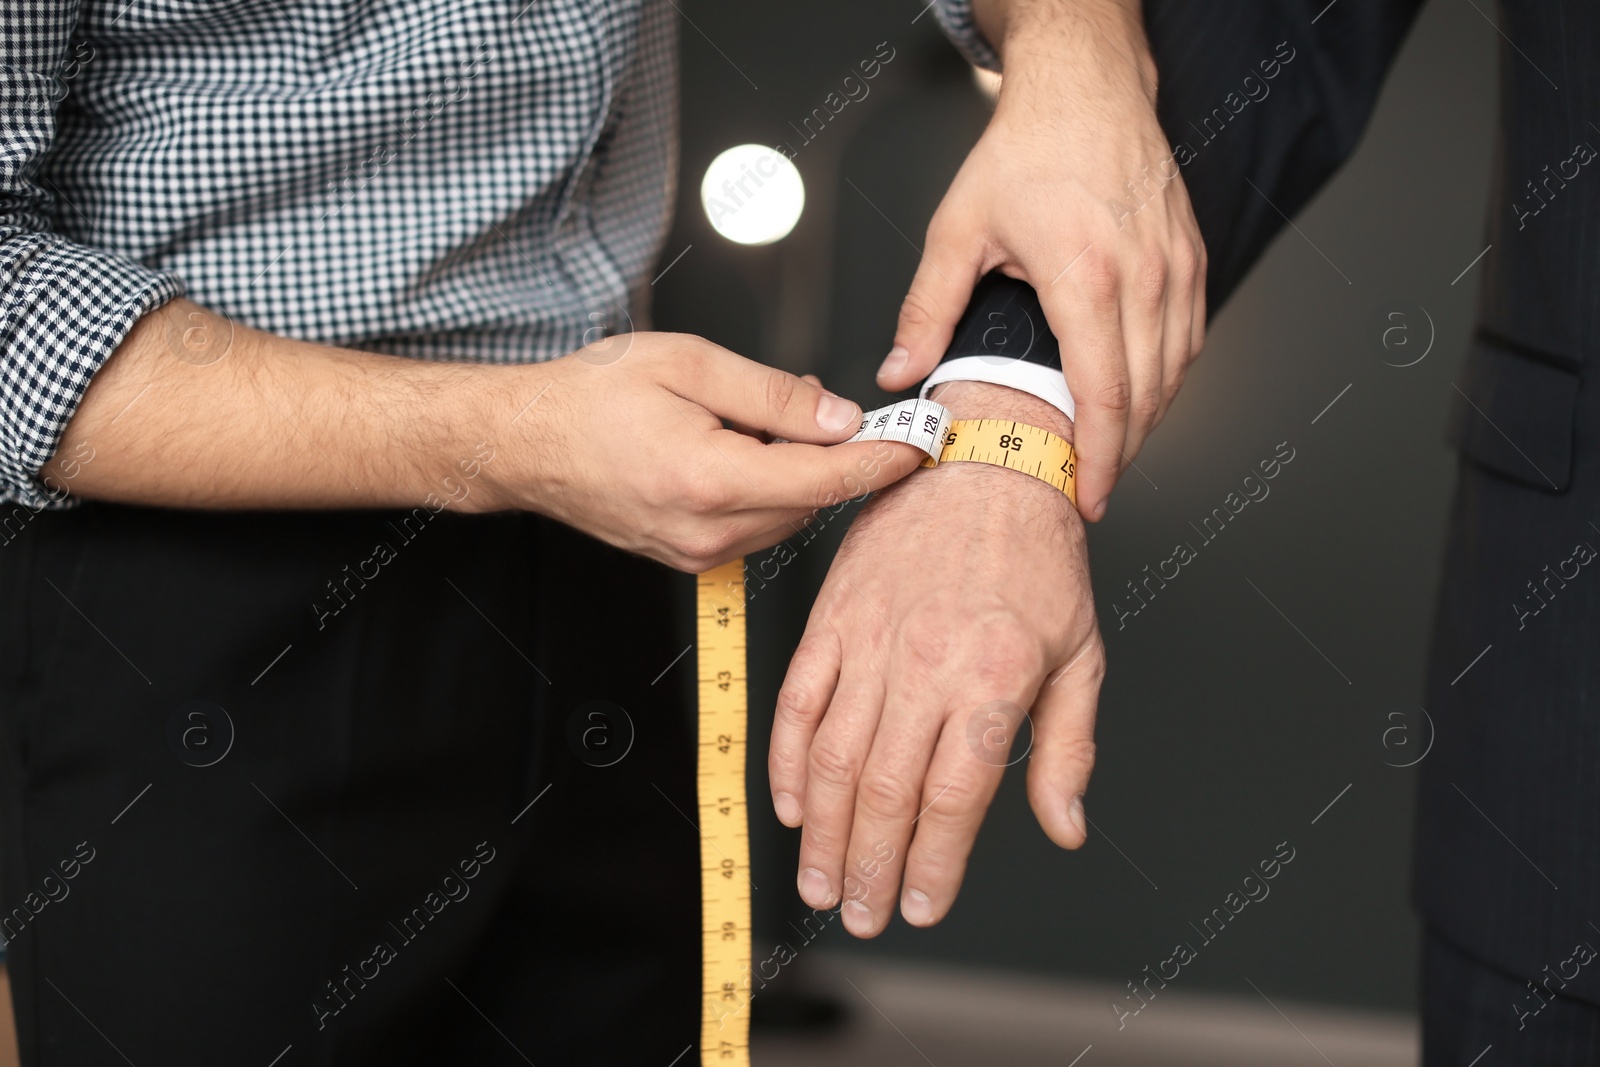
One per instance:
(477, 180)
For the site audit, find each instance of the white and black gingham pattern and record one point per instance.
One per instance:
(955, 16)
(447, 179)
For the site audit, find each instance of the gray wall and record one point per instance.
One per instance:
(1261, 682)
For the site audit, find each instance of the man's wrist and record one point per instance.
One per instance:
(982, 481)
(1031, 37)
(982, 400)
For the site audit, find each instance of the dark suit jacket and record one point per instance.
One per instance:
(1276, 93)
(1507, 859)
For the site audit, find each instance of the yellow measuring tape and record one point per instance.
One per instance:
(724, 821)
(725, 883)
(1016, 445)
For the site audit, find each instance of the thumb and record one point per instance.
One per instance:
(939, 293)
(1063, 746)
(756, 396)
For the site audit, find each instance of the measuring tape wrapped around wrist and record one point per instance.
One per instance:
(725, 883)
(1002, 442)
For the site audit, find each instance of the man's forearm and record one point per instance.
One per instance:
(192, 411)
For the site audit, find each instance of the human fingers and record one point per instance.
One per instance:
(1085, 314)
(1146, 296)
(1063, 749)
(763, 436)
(803, 699)
(888, 799)
(963, 775)
(793, 475)
(701, 544)
(837, 753)
(1179, 342)
(761, 398)
(939, 294)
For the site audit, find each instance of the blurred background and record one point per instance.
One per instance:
(1268, 695)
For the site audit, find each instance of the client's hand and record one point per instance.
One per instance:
(959, 598)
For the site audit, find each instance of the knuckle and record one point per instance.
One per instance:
(1185, 265)
(821, 842)
(797, 703)
(679, 562)
(1100, 278)
(1006, 668)
(1150, 279)
(705, 495)
(688, 363)
(1008, 649)
(1114, 395)
(1079, 752)
(783, 760)
(915, 313)
(831, 766)
(960, 803)
(781, 389)
(1147, 406)
(885, 796)
(703, 545)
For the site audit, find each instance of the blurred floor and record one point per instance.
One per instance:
(915, 1014)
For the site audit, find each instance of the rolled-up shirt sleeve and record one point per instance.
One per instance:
(65, 306)
(955, 16)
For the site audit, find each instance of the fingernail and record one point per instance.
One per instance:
(836, 414)
(788, 809)
(857, 917)
(1075, 813)
(894, 361)
(916, 907)
(814, 888)
(1099, 510)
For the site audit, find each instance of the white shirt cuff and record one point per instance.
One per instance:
(1046, 383)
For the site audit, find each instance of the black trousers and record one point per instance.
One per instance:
(1469, 1006)
(344, 788)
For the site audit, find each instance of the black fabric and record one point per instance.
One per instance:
(1522, 415)
(1470, 1007)
(1004, 322)
(1507, 858)
(1232, 126)
(395, 740)
(1507, 855)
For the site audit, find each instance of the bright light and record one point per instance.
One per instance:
(752, 194)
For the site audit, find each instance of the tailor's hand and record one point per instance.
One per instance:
(629, 446)
(1073, 189)
(959, 598)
